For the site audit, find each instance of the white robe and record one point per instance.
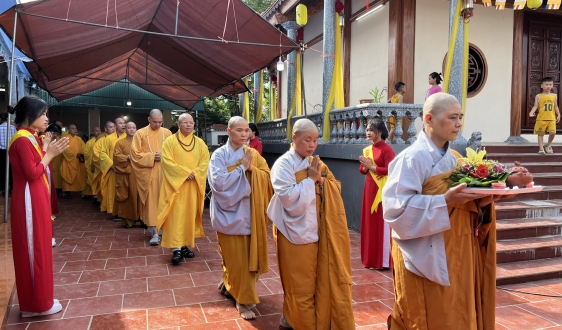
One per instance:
(293, 206)
(230, 201)
(418, 221)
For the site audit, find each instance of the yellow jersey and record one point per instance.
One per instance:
(546, 107)
(395, 98)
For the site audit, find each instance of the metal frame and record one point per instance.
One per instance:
(8, 132)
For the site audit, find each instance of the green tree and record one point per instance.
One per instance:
(259, 5)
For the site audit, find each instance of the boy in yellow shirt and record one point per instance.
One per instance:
(546, 121)
(400, 88)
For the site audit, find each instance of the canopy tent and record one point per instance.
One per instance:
(177, 49)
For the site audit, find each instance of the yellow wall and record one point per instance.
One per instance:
(491, 31)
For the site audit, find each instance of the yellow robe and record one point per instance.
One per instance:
(180, 209)
(126, 194)
(88, 155)
(469, 302)
(96, 178)
(146, 143)
(318, 286)
(57, 162)
(245, 257)
(107, 185)
(73, 172)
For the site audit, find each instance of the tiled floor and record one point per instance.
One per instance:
(108, 277)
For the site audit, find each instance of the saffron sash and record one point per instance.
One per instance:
(380, 180)
(23, 133)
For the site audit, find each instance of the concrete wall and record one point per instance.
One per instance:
(369, 53)
(343, 161)
(491, 31)
(313, 63)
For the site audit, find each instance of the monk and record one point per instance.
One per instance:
(73, 170)
(310, 228)
(146, 153)
(109, 128)
(88, 154)
(180, 209)
(127, 199)
(444, 256)
(241, 187)
(107, 185)
(57, 161)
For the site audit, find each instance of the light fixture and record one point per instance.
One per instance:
(280, 65)
(467, 10)
(125, 117)
(369, 12)
(129, 103)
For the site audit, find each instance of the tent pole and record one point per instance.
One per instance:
(302, 80)
(8, 137)
(177, 16)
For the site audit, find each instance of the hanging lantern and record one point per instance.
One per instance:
(302, 15)
(534, 4)
(467, 10)
(280, 65)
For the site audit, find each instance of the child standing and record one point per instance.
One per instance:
(545, 103)
(400, 88)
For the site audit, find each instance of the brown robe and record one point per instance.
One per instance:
(127, 201)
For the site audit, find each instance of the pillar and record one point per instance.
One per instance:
(456, 75)
(257, 81)
(94, 119)
(291, 28)
(329, 44)
(167, 118)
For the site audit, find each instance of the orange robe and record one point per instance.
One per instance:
(96, 178)
(108, 175)
(88, 155)
(469, 302)
(57, 162)
(73, 172)
(126, 194)
(146, 143)
(316, 277)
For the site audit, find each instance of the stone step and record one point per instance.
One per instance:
(528, 271)
(523, 158)
(531, 248)
(528, 209)
(516, 148)
(545, 179)
(549, 192)
(523, 228)
(541, 167)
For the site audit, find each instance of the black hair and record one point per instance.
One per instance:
(4, 116)
(174, 129)
(377, 125)
(398, 86)
(547, 79)
(254, 129)
(28, 108)
(437, 77)
(54, 128)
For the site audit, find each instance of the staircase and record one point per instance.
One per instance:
(529, 226)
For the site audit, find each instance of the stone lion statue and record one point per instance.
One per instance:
(475, 141)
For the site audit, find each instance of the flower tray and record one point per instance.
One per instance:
(506, 191)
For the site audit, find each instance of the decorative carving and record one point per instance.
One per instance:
(553, 55)
(536, 54)
(554, 34)
(534, 90)
(477, 68)
(475, 141)
(537, 32)
(535, 77)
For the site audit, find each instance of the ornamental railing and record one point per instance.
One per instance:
(348, 125)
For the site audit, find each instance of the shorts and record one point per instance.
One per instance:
(543, 127)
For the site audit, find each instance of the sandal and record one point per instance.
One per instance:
(541, 152)
(549, 150)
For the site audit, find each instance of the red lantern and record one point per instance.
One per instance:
(339, 6)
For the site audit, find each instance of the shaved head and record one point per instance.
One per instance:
(155, 119)
(437, 103)
(155, 113)
(184, 117)
(235, 120)
(186, 124)
(107, 123)
(304, 125)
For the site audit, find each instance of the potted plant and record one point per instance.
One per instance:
(378, 96)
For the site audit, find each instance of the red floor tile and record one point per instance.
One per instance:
(94, 306)
(366, 276)
(550, 310)
(80, 323)
(65, 257)
(120, 321)
(272, 304)
(187, 267)
(261, 323)
(145, 251)
(67, 278)
(370, 313)
(77, 266)
(108, 254)
(206, 278)
(220, 311)
(369, 292)
(273, 284)
(109, 288)
(102, 275)
(74, 291)
(226, 325)
(175, 316)
(169, 282)
(515, 318)
(152, 299)
(147, 271)
(15, 315)
(196, 295)
(126, 262)
(505, 298)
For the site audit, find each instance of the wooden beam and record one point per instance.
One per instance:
(401, 47)
(346, 51)
(315, 40)
(517, 90)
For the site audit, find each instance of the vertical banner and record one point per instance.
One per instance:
(553, 4)
(519, 5)
(500, 4)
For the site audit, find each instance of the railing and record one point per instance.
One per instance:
(348, 125)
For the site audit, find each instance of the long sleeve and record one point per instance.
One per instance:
(387, 156)
(24, 155)
(407, 211)
(174, 173)
(106, 161)
(120, 161)
(139, 156)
